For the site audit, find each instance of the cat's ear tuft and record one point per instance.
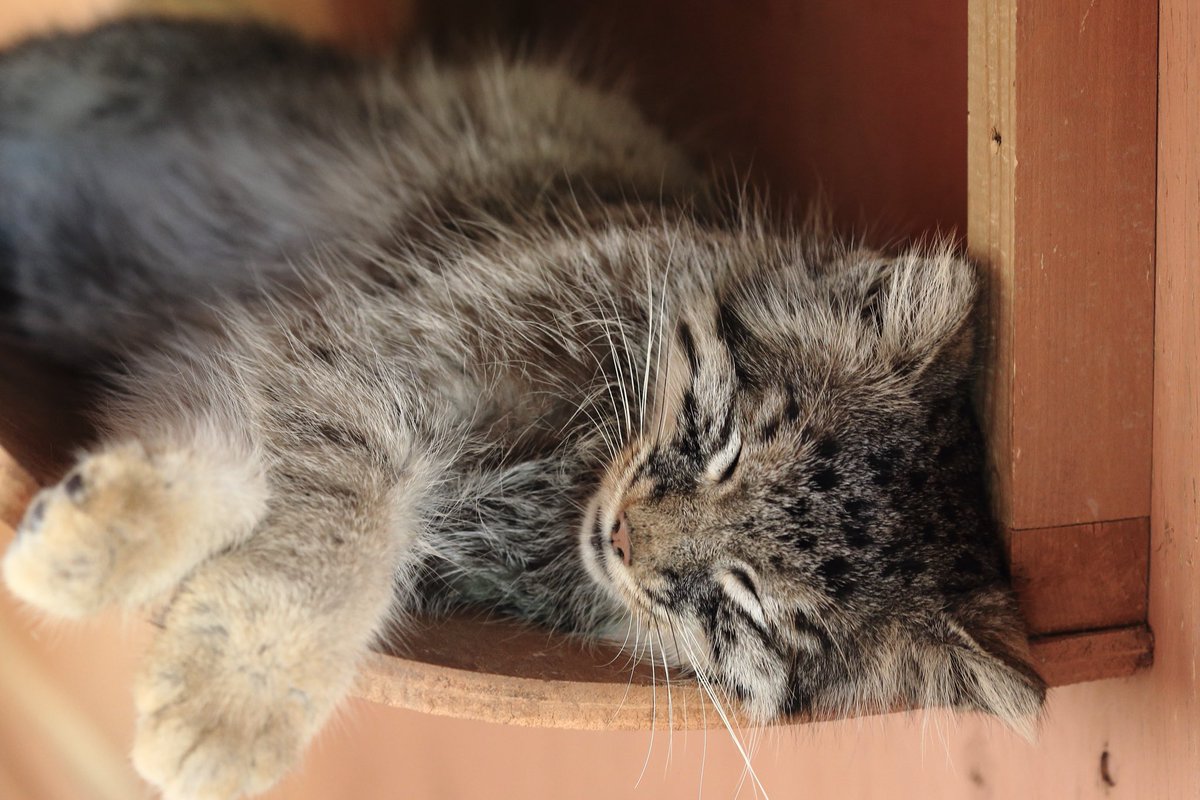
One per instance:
(920, 310)
(979, 660)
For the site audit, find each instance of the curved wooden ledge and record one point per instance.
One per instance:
(492, 670)
(501, 671)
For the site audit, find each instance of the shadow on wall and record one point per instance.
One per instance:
(860, 102)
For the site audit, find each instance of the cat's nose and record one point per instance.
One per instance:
(619, 538)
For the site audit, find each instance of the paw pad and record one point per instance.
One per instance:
(108, 533)
(74, 486)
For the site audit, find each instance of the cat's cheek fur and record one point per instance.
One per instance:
(757, 677)
(588, 533)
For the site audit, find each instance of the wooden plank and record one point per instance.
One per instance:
(1086, 76)
(1082, 577)
(1174, 705)
(1061, 209)
(532, 701)
(1082, 657)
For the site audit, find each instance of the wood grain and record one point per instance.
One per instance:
(500, 671)
(1082, 657)
(990, 219)
(1061, 155)
(1173, 712)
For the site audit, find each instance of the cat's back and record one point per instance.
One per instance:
(226, 156)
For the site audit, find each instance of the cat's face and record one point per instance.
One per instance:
(804, 514)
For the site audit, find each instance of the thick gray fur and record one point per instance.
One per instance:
(458, 319)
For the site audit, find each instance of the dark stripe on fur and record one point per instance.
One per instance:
(688, 342)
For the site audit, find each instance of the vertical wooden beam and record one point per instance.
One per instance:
(1061, 210)
(1174, 748)
(1061, 213)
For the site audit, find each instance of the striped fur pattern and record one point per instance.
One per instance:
(404, 336)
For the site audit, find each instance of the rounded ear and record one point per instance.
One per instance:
(921, 308)
(978, 658)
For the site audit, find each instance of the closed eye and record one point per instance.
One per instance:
(725, 463)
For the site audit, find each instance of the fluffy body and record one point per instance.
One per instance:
(413, 335)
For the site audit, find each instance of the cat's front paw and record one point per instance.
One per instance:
(200, 743)
(234, 686)
(123, 527)
(94, 538)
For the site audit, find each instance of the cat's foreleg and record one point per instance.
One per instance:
(276, 565)
(262, 642)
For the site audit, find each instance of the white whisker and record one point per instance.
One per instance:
(653, 710)
(690, 643)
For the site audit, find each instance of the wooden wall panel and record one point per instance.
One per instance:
(1173, 720)
(1083, 305)
(856, 101)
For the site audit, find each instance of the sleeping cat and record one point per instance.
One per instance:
(384, 337)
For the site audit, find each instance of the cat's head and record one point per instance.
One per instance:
(805, 516)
